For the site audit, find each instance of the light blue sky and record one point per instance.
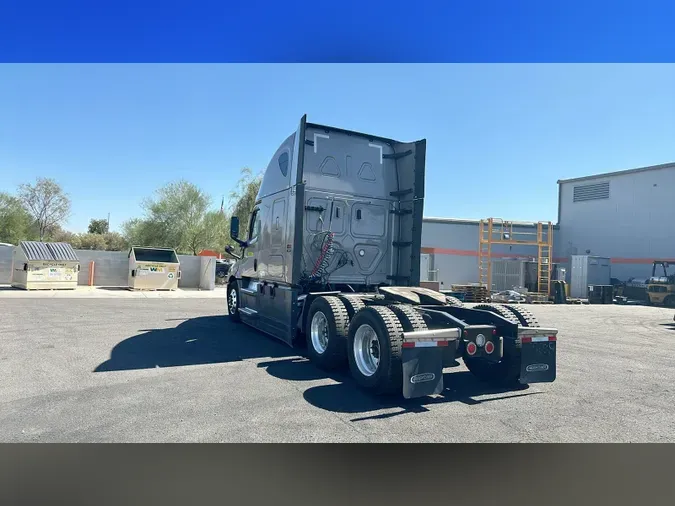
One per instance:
(499, 136)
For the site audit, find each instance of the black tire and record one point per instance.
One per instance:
(334, 355)
(410, 319)
(505, 372)
(352, 303)
(388, 376)
(453, 301)
(233, 305)
(500, 310)
(525, 318)
(669, 301)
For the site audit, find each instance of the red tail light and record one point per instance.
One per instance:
(471, 348)
(489, 347)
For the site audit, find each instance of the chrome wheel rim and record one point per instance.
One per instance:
(232, 305)
(366, 350)
(319, 332)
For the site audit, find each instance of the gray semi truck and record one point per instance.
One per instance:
(331, 258)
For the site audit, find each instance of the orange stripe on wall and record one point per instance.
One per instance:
(469, 253)
(456, 252)
(473, 253)
(641, 260)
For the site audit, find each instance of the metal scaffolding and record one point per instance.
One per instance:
(493, 231)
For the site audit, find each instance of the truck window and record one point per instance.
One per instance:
(254, 227)
(283, 163)
(278, 221)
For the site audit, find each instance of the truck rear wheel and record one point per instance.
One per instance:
(500, 310)
(525, 318)
(374, 349)
(327, 327)
(410, 319)
(453, 301)
(352, 303)
(505, 372)
(233, 301)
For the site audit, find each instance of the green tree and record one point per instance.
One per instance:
(140, 232)
(16, 224)
(216, 231)
(59, 235)
(177, 217)
(98, 226)
(92, 242)
(47, 203)
(114, 241)
(243, 198)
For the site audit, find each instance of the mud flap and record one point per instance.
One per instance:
(423, 371)
(538, 362)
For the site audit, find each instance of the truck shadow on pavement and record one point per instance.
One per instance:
(215, 339)
(345, 396)
(195, 341)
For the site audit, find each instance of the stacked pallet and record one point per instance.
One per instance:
(473, 292)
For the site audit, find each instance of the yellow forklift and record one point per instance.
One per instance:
(661, 289)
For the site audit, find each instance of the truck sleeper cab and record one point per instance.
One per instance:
(331, 257)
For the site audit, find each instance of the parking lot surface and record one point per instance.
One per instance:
(176, 370)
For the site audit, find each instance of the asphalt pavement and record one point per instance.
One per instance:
(177, 370)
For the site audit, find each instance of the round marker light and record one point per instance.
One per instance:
(480, 340)
(489, 347)
(471, 348)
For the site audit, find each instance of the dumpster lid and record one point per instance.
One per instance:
(148, 254)
(59, 251)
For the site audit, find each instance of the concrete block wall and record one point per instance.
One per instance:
(190, 271)
(5, 264)
(111, 268)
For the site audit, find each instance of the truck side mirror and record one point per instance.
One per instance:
(230, 251)
(234, 228)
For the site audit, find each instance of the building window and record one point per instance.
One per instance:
(593, 191)
(283, 163)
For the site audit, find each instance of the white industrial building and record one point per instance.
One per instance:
(626, 216)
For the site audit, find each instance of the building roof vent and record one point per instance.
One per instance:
(592, 191)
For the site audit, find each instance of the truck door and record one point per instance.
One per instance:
(425, 267)
(275, 296)
(250, 277)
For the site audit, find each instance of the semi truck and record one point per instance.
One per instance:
(331, 260)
